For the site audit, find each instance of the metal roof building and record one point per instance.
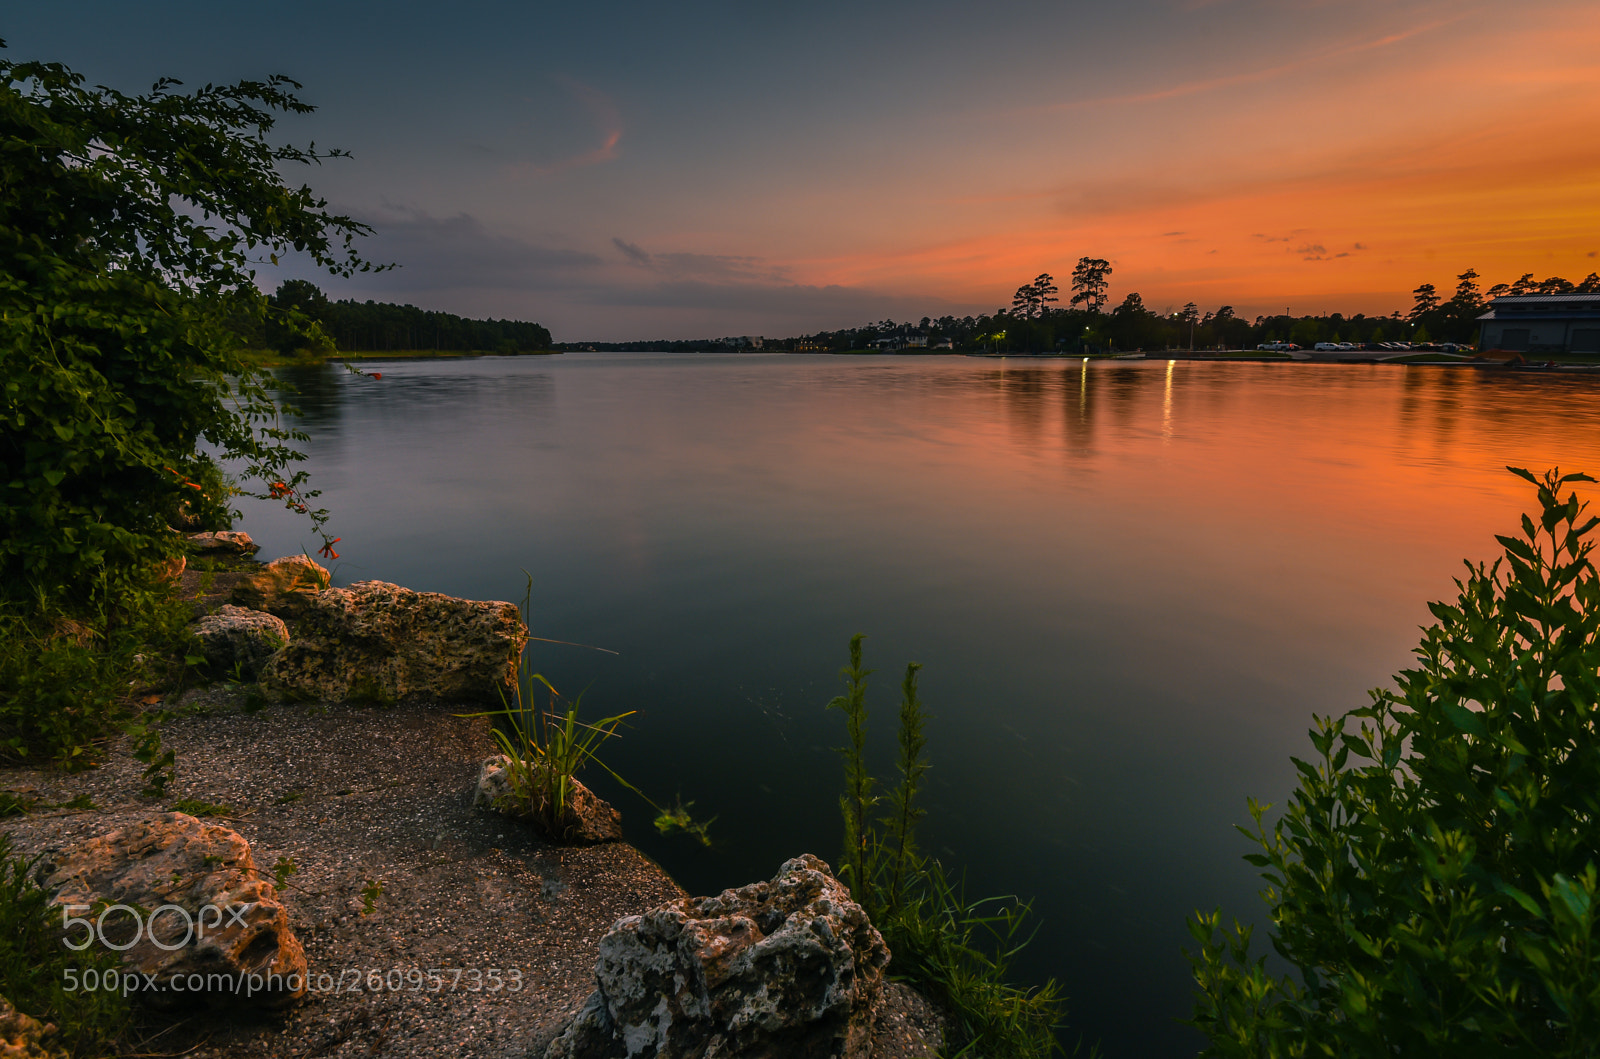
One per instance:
(1543, 323)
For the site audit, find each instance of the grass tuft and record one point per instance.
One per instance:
(195, 807)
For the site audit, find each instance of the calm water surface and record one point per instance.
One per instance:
(1131, 586)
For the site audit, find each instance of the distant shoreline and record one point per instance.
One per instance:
(268, 359)
(1405, 360)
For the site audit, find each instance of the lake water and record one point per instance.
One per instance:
(1131, 584)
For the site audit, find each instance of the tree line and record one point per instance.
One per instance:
(1036, 322)
(301, 316)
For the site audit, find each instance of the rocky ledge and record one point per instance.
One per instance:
(425, 926)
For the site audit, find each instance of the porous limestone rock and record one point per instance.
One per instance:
(25, 1037)
(590, 818)
(377, 642)
(228, 937)
(223, 542)
(786, 969)
(236, 636)
(284, 587)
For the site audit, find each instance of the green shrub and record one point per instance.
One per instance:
(34, 961)
(206, 507)
(1433, 878)
(65, 683)
(129, 228)
(957, 950)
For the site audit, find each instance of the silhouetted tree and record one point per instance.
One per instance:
(1032, 300)
(1427, 300)
(1091, 279)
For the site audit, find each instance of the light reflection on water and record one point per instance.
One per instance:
(1131, 584)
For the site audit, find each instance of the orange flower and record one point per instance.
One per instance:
(326, 551)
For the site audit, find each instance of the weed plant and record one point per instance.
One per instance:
(678, 820)
(1433, 879)
(957, 950)
(33, 961)
(67, 678)
(197, 808)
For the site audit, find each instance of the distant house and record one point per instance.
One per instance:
(1543, 323)
(898, 341)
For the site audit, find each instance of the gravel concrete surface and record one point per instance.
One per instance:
(411, 904)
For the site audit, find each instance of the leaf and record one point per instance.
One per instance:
(1465, 720)
(1573, 896)
(1522, 899)
(1519, 548)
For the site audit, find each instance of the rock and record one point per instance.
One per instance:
(235, 636)
(228, 927)
(284, 587)
(589, 821)
(787, 969)
(376, 642)
(25, 1037)
(225, 542)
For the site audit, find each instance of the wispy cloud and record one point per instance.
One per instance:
(722, 267)
(634, 253)
(608, 125)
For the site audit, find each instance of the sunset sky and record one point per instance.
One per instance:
(647, 170)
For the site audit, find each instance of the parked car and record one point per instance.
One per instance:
(1278, 347)
(1327, 347)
